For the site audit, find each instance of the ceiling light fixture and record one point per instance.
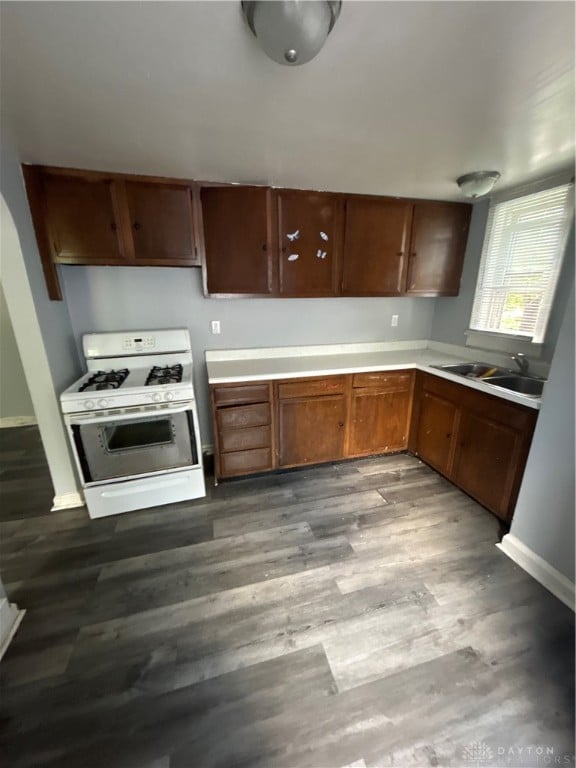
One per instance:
(291, 31)
(478, 183)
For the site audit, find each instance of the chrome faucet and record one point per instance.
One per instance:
(522, 362)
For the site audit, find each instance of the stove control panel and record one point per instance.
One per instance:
(139, 343)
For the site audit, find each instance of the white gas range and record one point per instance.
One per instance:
(133, 423)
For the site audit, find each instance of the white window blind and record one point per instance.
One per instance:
(521, 260)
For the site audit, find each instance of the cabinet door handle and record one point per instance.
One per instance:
(400, 253)
(113, 226)
(449, 434)
(265, 247)
(137, 225)
(413, 255)
(340, 424)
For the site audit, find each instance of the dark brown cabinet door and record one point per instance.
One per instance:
(379, 421)
(439, 234)
(238, 240)
(83, 219)
(309, 236)
(161, 222)
(311, 430)
(436, 431)
(376, 239)
(487, 461)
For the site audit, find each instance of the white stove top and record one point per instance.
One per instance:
(128, 356)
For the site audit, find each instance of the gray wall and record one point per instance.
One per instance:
(42, 327)
(53, 316)
(544, 517)
(14, 394)
(452, 315)
(131, 298)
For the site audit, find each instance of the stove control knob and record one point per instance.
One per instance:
(89, 404)
(102, 403)
(169, 396)
(157, 397)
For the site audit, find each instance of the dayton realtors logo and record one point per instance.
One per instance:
(479, 754)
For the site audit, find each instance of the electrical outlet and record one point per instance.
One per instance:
(215, 327)
(394, 321)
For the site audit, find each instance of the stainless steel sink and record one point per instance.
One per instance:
(472, 370)
(531, 386)
(524, 385)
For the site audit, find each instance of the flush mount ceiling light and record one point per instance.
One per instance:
(478, 183)
(291, 31)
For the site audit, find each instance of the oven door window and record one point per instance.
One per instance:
(115, 449)
(145, 434)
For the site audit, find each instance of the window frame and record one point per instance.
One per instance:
(506, 341)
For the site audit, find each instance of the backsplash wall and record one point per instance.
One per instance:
(139, 298)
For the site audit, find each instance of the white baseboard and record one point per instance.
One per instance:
(17, 421)
(67, 501)
(539, 569)
(10, 618)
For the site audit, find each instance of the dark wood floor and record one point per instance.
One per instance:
(349, 615)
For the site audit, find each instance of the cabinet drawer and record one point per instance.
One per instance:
(390, 379)
(245, 462)
(332, 385)
(247, 393)
(244, 439)
(243, 416)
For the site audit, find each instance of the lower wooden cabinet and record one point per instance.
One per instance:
(311, 430)
(380, 409)
(487, 460)
(477, 440)
(311, 420)
(290, 423)
(243, 431)
(435, 430)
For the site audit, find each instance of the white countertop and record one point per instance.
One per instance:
(234, 366)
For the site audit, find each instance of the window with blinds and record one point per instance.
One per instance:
(521, 260)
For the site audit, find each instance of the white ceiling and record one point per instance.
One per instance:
(404, 97)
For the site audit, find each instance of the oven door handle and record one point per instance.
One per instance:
(165, 410)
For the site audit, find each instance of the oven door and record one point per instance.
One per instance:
(121, 445)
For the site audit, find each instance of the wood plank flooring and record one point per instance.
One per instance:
(355, 615)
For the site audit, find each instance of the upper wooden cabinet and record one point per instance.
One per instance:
(309, 237)
(437, 245)
(161, 222)
(83, 219)
(376, 239)
(238, 236)
(93, 218)
(250, 241)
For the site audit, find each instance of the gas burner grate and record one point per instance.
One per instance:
(105, 380)
(168, 374)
